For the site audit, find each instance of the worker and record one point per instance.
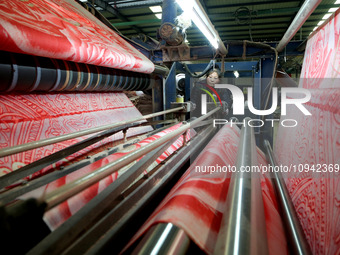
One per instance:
(215, 96)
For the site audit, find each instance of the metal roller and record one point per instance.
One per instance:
(26, 73)
(243, 228)
(297, 240)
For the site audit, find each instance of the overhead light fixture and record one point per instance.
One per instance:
(236, 74)
(193, 9)
(327, 15)
(156, 9)
(333, 9)
(321, 22)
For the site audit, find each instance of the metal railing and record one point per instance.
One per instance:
(63, 193)
(82, 228)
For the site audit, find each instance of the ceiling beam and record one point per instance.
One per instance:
(195, 30)
(309, 25)
(137, 4)
(107, 7)
(138, 22)
(244, 32)
(264, 12)
(248, 4)
(276, 12)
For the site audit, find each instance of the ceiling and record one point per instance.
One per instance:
(258, 20)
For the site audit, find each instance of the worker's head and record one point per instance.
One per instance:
(213, 77)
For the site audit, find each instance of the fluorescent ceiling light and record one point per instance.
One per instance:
(321, 22)
(158, 15)
(193, 10)
(156, 9)
(205, 30)
(333, 9)
(185, 5)
(327, 15)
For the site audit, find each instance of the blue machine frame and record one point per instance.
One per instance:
(261, 71)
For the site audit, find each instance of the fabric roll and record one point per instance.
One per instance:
(59, 214)
(197, 202)
(22, 73)
(312, 150)
(29, 118)
(312, 147)
(63, 29)
(320, 67)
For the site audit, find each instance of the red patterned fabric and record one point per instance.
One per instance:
(322, 56)
(62, 212)
(63, 29)
(196, 204)
(28, 118)
(316, 140)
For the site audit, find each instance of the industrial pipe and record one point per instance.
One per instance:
(61, 194)
(243, 228)
(296, 238)
(36, 144)
(305, 11)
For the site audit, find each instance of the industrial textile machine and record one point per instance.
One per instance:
(82, 171)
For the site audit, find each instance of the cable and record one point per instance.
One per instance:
(246, 18)
(250, 34)
(266, 46)
(211, 64)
